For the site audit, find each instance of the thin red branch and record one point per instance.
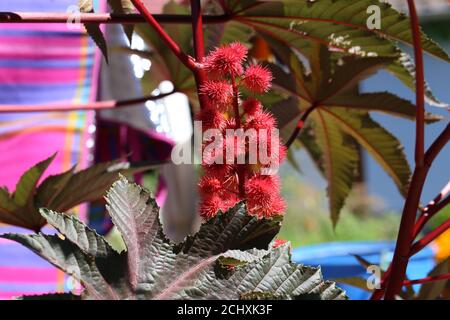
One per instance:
(427, 279)
(407, 224)
(436, 205)
(109, 18)
(420, 85)
(429, 237)
(100, 105)
(300, 125)
(184, 58)
(199, 46)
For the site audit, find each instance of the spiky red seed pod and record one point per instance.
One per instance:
(251, 106)
(263, 199)
(211, 118)
(209, 184)
(217, 94)
(261, 120)
(226, 60)
(229, 200)
(210, 206)
(257, 78)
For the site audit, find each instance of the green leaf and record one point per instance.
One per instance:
(28, 182)
(380, 144)
(342, 26)
(51, 187)
(384, 102)
(339, 158)
(274, 274)
(58, 192)
(348, 74)
(405, 70)
(93, 29)
(153, 267)
(326, 21)
(8, 208)
(89, 184)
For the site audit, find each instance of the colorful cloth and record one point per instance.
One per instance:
(41, 64)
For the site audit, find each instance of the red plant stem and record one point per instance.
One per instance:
(378, 293)
(428, 213)
(427, 279)
(406, 232)
(199, 47)
(184, 58)
(432, 208)
(237, 116)
(300, 124)
(109, 18)
(420, 89)
(101, 105)
(429, 237)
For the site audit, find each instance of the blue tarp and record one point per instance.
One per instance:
(337, 261)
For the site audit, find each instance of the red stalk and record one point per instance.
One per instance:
(427, 279)
(406, 232)
(184, 58)
(300, 124)
(432, 208)
(429, 237)
(100, 105)
(199, 46)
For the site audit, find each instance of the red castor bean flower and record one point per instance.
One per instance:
(226, 60)
(257, 79)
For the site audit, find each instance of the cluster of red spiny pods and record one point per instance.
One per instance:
(224, 184)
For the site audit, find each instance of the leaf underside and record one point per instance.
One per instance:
(154, 268)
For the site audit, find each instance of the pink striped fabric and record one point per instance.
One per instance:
(41, 64)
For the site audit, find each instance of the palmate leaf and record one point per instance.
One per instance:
(383, 102)
(341, 25)
(405, 70)
(155, 268)
(380, 144)
(343, 118)
(339, 157)
(59, 192)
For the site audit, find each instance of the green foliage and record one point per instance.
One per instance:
(59, 192)
(341, 119)
(154, 268)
